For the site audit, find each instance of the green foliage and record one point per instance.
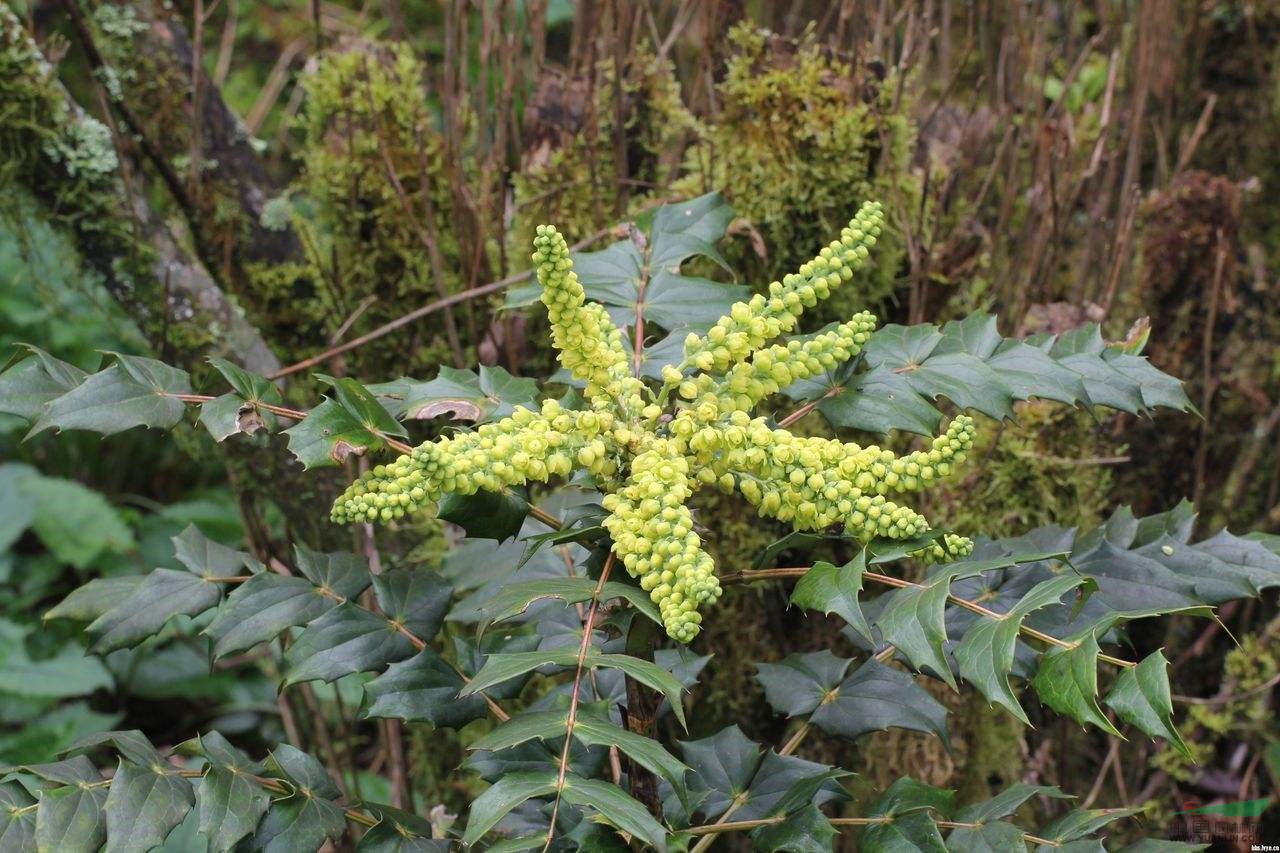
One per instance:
(970, 364)
(711, 440)
(567, 659)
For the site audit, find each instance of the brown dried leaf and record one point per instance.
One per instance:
(459, 410)
(342, 450)
(249, 419)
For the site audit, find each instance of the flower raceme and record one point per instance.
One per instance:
(650, 450)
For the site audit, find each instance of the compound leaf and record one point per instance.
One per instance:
(163, 594)
(985, 654)
(134, 391)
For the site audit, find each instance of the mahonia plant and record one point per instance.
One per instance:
(649, 450)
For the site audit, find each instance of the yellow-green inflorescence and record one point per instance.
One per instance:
(650, 449)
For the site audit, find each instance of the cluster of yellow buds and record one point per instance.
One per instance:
(652, 532)
(524, 447)
(751, 324)
(649, 455)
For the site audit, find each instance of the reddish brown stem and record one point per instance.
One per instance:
(588, 626)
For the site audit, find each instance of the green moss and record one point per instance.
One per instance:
(367, 129)
(796, 146)
(1052, 466)
(66, 161)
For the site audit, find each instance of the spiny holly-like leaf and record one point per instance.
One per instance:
(209, 559)
(783, 782)
(725, 764)
(131, 743)
(877, 697)
(801, 682)
(229, 802)
(328, 435)
(835, 589)
(1220, 568)
(303, 770)
(878, 401)
(985, 654)
(347, 639)
(95, 598)
(71, 818)
(241, 410)
(593, 728)
(341, 573)
(911, 833)
(462, 395)
(655, 355)
(1141, 697)
(1067, 681)
(1128, 580)
(248, 386)
(503, 796)
(486, 515)
(961, 378)
(228, 415)
(300, 822)
(1158, 389)
(262, 607)
(729, 767)
(675, 301)
(418, 600)
(994, 837)
(913, 620)
(162, 595)
(907, 795)
(804, 831)
(1006, 802)
(132, 392)
(502, 667)
(909, 804)
(351, 639)
(681, 231)
(516, 598)
(17, 818)
(304, 820)
(400, 832)
(363, 406)
(25, 387)
(969, 363)
(268, 603)
(1078, 823)
(583, 535)
(423, 688)
(615, 807)
(640, 275)
(144, 803)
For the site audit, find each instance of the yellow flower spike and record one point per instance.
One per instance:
(648, 454)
